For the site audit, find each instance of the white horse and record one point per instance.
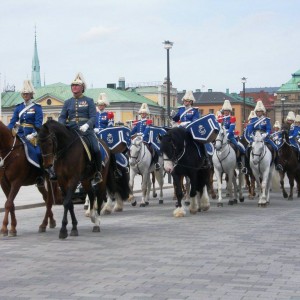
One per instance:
(262, 169)
(224, 160)
(140, 163)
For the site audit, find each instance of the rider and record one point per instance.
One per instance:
(294, 135)
(290, 119)
(187, 114)
(79, 112)
(263, 124)
(142, 127)
(105, 119)
(276, 135)
(228, 122)
(27, 116)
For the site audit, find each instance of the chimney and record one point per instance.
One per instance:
(227, 91)
(111, 86)
(210, 90)
(198, 91)
(121, 83)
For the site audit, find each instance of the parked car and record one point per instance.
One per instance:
(79, 194)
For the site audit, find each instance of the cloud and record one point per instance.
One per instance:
(97, 33)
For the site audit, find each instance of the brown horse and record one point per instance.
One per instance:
(62, 148)
(289, 161)
(16, 171)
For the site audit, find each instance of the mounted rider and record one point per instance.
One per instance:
(276, 135)
(142, 128)
(187, 114)
(229, 123)
(27, 116)
(105, 119)
(290, 119)
(263, 124)
(294, 136)
(79, 113)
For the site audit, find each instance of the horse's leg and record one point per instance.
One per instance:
(148, 191)
(108, 206)
(131, 181)
(241, 197)
(11, 191)
(284, 193)
(230, 179)
(193, 194)
(219, 185)
(86, 203)
(187, 190)
(119, 206)
(263, 197)
(145, 189)
(211, 184)
(180, 210)
(154, 194)
(291, 182)
(160, 179)
(203, 197)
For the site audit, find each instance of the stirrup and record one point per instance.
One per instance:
(279, 167)
(157, 166)
(244, 170)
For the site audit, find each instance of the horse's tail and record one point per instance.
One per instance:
(275, 181)
(118, 185)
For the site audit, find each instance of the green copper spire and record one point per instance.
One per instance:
(35, 74)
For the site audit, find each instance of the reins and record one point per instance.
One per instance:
(2, 160)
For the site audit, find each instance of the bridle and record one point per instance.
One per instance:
(2, 160)
(53, 153)
(175, 158)
(135, 159)
(262, 153)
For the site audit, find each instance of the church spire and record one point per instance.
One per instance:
(35, 74)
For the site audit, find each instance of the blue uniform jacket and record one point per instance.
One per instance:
(139, 127)
(77, 112)
(102, 120)
(229, 124)
(31, 117)
(191, 115)
(294, 134)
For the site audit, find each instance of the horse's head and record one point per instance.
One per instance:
(135, 150)
(258, 147)
(221, 139)
(172, 147)
(48, 144)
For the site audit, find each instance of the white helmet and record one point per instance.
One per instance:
(102, 100)
(259, 106)
(189, 96)
(291, 116)
(297, 119)
(252, 115)
(79, 80)
(28, 88)
(277, 124)
(144, 109)
(226, 105)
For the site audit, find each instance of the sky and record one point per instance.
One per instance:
(216, 42)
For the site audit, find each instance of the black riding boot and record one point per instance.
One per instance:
(278, 166)
(206, 162)
(117, 172)
(155, 161)
(98, 162)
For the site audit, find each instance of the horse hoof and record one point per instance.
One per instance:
(155, 195)
(12, 233)
(63, 234)
(220, 204)
(161, 202)
(42, 229)
(74, 232)
(235, 201)
(142, 205)
(187, 203)
(133, 203)
(290, 198)
(52, 224)
(4, 233)
(147, 203)
(214, 196)
(85, 207)
(285, 196)
(230, 202)
(242, 199)
(96, 229)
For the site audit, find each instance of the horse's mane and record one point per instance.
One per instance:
(52, 126)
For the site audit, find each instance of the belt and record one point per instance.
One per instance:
(78, 119)
(27, 125)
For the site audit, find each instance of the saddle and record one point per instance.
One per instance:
(153, 153)
(236, 149)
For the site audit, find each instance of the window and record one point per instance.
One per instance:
(200, 112)
(233, 112)
(49, 101)
(211, 111)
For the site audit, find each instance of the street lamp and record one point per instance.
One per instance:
(282, 112)
(244, 80)
(168, 45)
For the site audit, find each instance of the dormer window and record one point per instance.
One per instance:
(49, 101)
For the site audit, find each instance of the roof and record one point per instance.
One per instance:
(216, 98)
(63, 92)
(292, 85)
(269, 90)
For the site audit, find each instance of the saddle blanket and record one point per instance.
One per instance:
(154, 133)
(209, 148)
(33, 153)
(205, 129)
(121, 160)
(113, 136)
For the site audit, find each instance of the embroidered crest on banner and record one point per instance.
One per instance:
(201, 130)
(110, 138)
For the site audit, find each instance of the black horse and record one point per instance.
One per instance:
(63, 149)
(181, 158)
(288, 158)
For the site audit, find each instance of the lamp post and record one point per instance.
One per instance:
(282, 107)
(168, 45)
(244, 80)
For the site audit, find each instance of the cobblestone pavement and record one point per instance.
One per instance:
(234, 252)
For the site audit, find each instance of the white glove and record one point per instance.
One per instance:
(96, 130)
(29, 137)
(173, 113)
(184, 124)
(84, 127)
(264, 135)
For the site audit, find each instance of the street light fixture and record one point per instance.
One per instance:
(244, 80)
(168, 45)
(282, 112)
